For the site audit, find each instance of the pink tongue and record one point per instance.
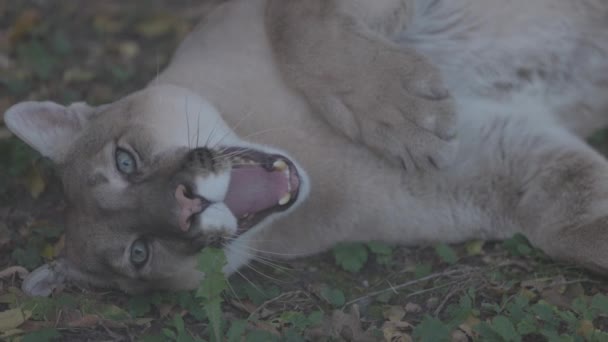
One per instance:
(253, 189)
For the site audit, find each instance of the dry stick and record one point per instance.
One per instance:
(446, 299)
(275, 299)
(404, 285)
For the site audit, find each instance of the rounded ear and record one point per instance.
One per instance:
(42, 281)
(47, 127)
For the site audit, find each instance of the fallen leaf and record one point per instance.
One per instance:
(459, 336)
(412, 308)
(13, 318)
(78, 74)
(475, 247)
(393, 313)
(585, 328)
(164, 309)
(34, 181)
(347, 325)
(396, 331)
(24, 24)
(156, 26)
(261, 325)
(128, 49)
(14, 270)
(468, 326)
(86, 321)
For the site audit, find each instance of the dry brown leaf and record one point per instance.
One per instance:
(459, 336)
(412, 308)
(86, 321)
(24, 24)
(468, 326)
(14, 270)
(585, 328)
(261, 325)
(164, 309)
(395, 331)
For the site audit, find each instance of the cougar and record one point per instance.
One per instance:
(282, 127)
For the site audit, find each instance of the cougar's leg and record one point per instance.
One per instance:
(564, 208)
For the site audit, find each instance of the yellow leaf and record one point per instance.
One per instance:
(156, 26)
(475, 247)
(48, 252)
(128, 49)
(11, 319)
(393, 313)
(35, 182)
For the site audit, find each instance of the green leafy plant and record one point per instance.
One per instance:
(211, 262)
(353, 256)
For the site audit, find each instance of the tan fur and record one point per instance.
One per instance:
(338, 86)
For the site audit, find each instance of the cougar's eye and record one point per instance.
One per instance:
(139, 253)
(125, 162)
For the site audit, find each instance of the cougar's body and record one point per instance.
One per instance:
(528, 79)
(523, 82)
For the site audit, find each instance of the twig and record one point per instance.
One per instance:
(406, 284)
(270, 301)
(445, 300)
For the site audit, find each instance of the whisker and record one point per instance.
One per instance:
(198, 127)
(217, 121)
(259, 258)
(233, 128)
(266, 131)
(229, 155)
(187, 122)
(265, 275)
(250, 282)
(268, 252)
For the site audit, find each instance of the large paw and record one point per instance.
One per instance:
(402, 110)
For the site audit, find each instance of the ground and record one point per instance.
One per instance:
(99, 51)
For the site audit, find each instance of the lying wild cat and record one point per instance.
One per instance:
(282, 127)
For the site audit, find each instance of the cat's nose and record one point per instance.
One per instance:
(188, 207)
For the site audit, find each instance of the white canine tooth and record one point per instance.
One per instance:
(285, 199)
(279, 165)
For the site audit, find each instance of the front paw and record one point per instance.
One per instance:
(403, 111)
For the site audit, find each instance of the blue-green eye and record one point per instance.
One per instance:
(139, 253)
(125, 162)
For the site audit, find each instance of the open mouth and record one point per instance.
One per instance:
(260, 184)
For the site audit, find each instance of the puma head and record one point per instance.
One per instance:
(149, 181)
